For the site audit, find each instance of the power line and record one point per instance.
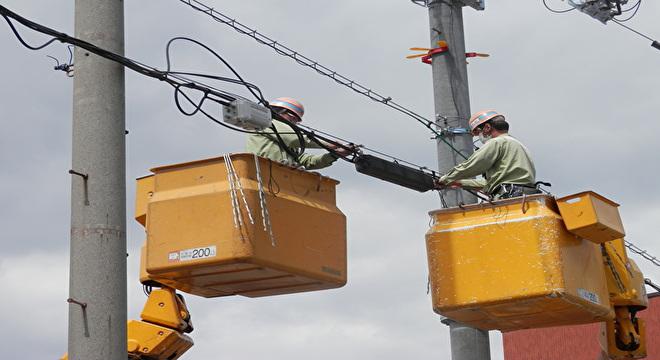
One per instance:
(556, 11)
(620, 22)
(639, 2)
(633, 30)
(423, 3)
(643, 253)
(650, 283)
(308, 62)
(181, 84)
(654, 43)
(319, 68)
(634, 8)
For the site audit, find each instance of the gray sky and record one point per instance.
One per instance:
(581, 95)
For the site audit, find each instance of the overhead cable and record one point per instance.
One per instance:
(319, 68)
(308, 62)
(609, 15)
(643, 253)
(209, 93)
(654, 42)
(557, 11)
(650, 283)
(634, 9)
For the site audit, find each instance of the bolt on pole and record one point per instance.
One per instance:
(97, 282)
(452, 109)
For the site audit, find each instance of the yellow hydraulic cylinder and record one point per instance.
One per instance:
(243, 227)
(615, 348)
(513, 265)
(624, 279)
(625, 336)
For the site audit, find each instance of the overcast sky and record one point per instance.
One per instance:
(581, 95)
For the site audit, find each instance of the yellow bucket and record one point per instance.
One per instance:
(201, 238)
(512, 265)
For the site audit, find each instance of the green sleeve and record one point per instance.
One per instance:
(482, 160)
(473, 183)
(312, 162)
(311, 144)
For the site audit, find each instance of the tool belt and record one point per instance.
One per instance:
(506, 191)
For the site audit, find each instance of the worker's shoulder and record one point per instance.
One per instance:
(508, 139)
(281, 125)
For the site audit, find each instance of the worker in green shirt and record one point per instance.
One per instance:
(504, 162)
(282, 143)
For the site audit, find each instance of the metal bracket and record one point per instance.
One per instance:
(601, 10)
(83, 307)
(74, 301)
(452, 131)
(85, 177)
(476, 4)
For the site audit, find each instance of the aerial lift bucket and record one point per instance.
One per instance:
(513, 265)
(591, 216)
(241, 225)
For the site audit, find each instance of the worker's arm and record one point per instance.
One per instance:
(482, 160)
(313, 162)
(312, 144)
(477, 184)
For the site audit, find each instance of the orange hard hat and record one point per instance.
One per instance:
(481, 117)
(290, 104)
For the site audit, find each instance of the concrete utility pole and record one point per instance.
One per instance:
(452, 109)
(97, 285)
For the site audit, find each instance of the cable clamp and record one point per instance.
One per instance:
(452, 131)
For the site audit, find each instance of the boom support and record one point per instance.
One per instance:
(160, 333)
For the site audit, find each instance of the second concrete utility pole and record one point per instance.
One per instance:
(452, 109)
(97, 283)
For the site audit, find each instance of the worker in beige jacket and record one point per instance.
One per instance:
(281, 143)
(504, 162)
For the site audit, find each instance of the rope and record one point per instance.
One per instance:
(265, 216)
(238, 222)
(236, 183)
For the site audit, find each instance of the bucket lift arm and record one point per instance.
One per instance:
(160, 335)
(624, 337)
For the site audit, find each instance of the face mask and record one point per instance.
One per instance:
(484, 138)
